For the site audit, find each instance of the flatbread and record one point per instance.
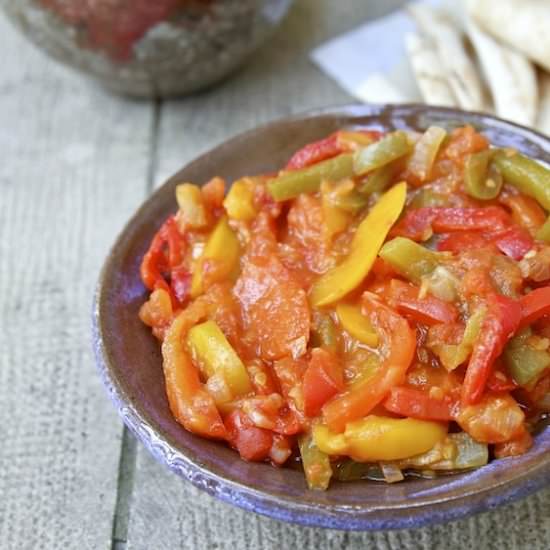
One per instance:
(512, 78)
(543, 123)
(522, 24)
(461, 73)
(431, 75)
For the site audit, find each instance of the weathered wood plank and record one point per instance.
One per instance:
(169, 513)
(73, 168)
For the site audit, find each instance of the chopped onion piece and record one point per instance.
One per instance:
(392, 473)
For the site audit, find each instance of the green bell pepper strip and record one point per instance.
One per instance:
(381, 153)
(543, 234)
(308, 180)
(482, 179)
(323, 334)
(525, 364)
(527, 175)
(453, 355)
(316, 464)
(351, 202)
(427, 198)
(378, 180)
(410, 259)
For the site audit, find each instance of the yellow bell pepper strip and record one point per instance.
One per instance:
(411, 260)
(329, 442)
(543, 234)
(363, 396)
(380, 153)
(454, 355)
(223, 247)
(335, 218)
(315, 462)
(192, 211)
(425, 151)
(458, 451)
(376, 438)
(308, 180)
(525, 363)
(190, 403)
(366, 243)
(482, 180)
(527, 175)
(356, 324)
(239, 202)
(211, 350)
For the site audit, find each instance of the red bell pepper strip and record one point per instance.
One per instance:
(416, 224)
(156, 262)
(324, 149)
(189, 401)
(251, 442)
(428, 310)
(415, 403)
(499, 325)
(419, 223)
(513, 241)
(470, 219)
(180, 283)
(460, 242)
(359, 400)
(534, 305)
(498, 382)
(315, 152)
(322, 380)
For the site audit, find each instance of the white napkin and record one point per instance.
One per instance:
(370, 62)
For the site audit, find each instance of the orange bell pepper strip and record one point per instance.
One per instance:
(526, 212)
(190, 403)
(359, 401)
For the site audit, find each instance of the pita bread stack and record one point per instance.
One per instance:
(484, 57)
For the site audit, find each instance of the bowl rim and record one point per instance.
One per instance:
(163, 448)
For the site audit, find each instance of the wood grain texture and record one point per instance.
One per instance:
(73, 168)
(169, 513)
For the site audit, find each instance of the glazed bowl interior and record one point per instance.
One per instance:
(130, 363)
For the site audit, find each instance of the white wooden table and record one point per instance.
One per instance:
(75, 162)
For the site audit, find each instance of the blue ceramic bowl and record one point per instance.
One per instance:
(129, 360)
